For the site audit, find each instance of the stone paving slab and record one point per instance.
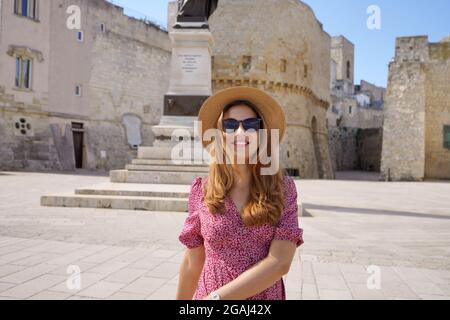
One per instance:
(358, 226)
(306, 280)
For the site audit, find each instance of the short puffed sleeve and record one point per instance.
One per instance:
(288, 226)
(191, 235)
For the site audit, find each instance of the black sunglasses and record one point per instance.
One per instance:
(232, 125)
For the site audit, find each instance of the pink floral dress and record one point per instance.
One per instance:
(231, 248)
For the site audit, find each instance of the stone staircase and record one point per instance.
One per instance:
(124, 197)
(151, 182)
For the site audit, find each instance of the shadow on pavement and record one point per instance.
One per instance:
(310, 206)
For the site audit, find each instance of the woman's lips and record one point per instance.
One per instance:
(241, 144)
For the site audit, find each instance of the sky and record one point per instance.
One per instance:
(374, 48)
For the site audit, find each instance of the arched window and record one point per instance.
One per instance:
(349, 66)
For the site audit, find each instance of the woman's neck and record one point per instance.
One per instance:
(242, 175)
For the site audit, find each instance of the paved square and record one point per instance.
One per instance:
(365, 240)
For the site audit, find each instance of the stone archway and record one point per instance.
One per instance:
(317, 152)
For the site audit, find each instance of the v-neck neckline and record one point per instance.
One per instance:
(234, 207)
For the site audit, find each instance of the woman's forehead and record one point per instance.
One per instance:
(240, 111)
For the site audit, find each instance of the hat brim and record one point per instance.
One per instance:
(268, 108)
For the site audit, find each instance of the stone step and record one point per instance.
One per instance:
(165, 153)
(119, 196)
(131, 193)
(136, 167)
(174, 130)
(169, 143)
(7, 97)
(166, 162)
(116, 202)
(154, 177)
(108, 188)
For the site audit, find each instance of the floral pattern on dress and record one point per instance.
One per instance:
(231, 248)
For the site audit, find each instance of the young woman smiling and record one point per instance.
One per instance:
(242, 229)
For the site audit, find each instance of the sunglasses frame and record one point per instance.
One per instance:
(238, 122)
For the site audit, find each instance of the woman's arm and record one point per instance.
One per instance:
(263, 275)
(190, 270)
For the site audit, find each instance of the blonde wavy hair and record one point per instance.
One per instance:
(266, 194)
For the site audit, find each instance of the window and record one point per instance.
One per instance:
(246, 63)
(283, 66)
(23, 73)
(17, 82)
(26, 8)
(80, 36)
(349, 67)
(350, 109)
(102, 27)
(78, 90)
(305, 71)
(447, 137)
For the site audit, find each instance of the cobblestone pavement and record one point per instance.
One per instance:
(393, 238)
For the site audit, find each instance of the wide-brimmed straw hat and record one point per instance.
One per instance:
(270, 111)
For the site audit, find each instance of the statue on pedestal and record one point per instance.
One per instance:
(195, 13)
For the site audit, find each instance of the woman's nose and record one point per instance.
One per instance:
(240, 130)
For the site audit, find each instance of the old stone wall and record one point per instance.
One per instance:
(370, 142)
(355, 148)
(343, 148)
(437, 90)
(256, 45)
(121, 66)
(417, 108)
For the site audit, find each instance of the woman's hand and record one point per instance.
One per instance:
(262, 275)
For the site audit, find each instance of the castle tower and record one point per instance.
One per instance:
(343, 54)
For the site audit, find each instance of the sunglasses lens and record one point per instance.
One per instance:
(252, 124)
(230, 125)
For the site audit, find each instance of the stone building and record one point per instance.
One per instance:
(91, 96)
(257, 45)
(77, 98)
(355, 117)
(416, 143)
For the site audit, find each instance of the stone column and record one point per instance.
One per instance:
(190, 82)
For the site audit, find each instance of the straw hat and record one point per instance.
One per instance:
(269, 110)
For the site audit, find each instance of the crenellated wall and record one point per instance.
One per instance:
(417, 109)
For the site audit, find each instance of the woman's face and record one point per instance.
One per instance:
(244, 143)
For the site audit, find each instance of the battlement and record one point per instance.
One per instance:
(411, 49)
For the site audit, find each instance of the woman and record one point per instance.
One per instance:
(242, 229)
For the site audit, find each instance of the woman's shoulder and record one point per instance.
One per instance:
(196, 193)
(288, 181)
(199, 181)
(198, 185)
(289, 186)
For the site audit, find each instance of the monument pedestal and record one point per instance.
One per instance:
(190, 86)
